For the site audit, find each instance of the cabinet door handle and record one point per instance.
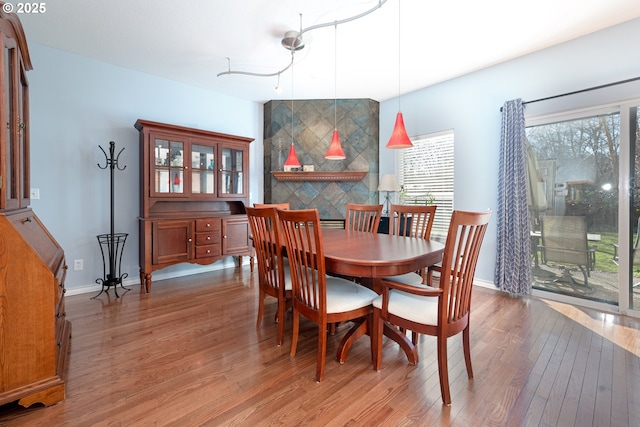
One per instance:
(208, 225)
(208, 251)
(208, 237)
(224, 237)
(190, 239)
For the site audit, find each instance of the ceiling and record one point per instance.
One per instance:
(190, 40)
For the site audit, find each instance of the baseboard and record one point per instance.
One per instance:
(160, 275)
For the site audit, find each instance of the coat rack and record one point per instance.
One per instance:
(112, 243)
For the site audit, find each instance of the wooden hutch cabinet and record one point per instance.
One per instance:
(194, 185)
(34, 332)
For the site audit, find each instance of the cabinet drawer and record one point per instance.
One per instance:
(208, 224)
(208, 251)
(207, 238)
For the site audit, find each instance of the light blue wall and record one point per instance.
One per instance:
(470, 106)
(77, 104)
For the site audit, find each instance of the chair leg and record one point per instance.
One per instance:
(467, 351)
(370, 330)
(376, 339)
(294, 333)
(414, 338)
(281, 322)
(322, 352)
(443, 370)
(260, 307)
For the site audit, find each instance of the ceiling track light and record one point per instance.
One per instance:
(293, 41)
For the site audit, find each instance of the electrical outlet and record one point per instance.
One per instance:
(35, 193)
(77, 265)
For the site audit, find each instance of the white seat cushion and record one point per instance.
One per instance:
(288, 285)
(416, 308)
(344, 295)
(411, 278)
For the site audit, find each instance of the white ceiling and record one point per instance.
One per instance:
(189, 40)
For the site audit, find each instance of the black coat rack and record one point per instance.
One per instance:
(112, 243)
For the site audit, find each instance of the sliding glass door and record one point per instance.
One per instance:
(584, 200)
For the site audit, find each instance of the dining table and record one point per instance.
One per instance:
(369, 257)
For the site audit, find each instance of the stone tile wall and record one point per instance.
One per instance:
(313, 124)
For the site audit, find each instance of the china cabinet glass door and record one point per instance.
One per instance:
(202, 169)
(169, 167)
(231, 171)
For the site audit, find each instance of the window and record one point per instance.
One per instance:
(425, 172)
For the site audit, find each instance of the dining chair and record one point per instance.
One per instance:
(274, 278)
(411, 221)
(363, 217)
(272, 205)
(320, 298)
(443, 309)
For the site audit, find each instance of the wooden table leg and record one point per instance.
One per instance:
(405, 343)
(359, 329)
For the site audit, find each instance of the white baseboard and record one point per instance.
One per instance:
(159, 275)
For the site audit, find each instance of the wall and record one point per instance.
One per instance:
(470, 105)
(78, 104)
(313, 124)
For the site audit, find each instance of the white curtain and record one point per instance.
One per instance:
(513, 263)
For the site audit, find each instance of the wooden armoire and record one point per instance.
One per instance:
(34, 332)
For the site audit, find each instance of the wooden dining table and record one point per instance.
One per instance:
(370, 257)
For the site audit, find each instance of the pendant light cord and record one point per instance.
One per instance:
(292, 138)
(335, 78)
(399, 44)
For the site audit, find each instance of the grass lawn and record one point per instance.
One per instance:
(604, 252)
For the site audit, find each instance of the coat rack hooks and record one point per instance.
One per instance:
(109, 160)
(112, 243)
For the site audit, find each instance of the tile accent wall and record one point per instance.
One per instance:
(313, 124)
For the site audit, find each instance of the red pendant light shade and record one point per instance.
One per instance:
(292, 160)
(399, 137)
(335, 149)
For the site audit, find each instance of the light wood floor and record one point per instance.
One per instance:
(189, 354)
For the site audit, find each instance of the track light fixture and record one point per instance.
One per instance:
(292, 41)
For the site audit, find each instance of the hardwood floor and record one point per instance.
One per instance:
(189, 354)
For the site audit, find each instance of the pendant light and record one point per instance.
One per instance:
(292, 159)
(335, 149)
(399, 137)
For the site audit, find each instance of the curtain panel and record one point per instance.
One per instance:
(513, 261)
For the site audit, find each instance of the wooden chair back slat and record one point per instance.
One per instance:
(363, 217)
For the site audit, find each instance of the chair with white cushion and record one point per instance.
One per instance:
(274, 278)
(320, 298)
(439, 309)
